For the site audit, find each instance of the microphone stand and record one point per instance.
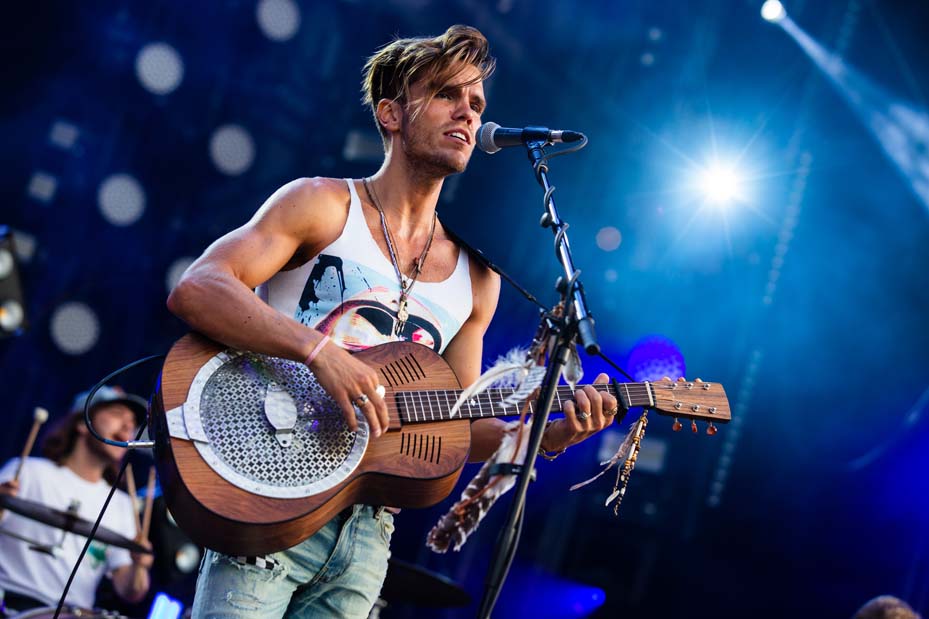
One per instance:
(576, 323)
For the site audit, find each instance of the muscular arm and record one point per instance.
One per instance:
(214, 296)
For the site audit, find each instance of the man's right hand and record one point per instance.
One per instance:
(345, 378)
(9, 488)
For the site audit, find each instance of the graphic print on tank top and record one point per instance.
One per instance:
(357, 307)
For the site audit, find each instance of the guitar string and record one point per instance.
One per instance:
(410, 410)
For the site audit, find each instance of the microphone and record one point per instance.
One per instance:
(491, 137)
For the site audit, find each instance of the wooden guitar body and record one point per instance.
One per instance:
(412, 465)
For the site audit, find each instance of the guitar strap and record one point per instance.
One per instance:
(479, 255)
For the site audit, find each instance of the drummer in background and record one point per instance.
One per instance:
(76, 468)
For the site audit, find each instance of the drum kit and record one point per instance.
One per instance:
(406, 583)
(68, 522)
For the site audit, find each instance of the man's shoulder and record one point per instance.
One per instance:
(316, 188)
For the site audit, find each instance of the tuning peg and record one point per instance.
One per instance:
(693, 426)
(676, 426)
(711, 429)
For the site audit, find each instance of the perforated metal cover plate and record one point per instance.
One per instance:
(225, 417)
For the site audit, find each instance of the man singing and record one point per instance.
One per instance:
(342, 265)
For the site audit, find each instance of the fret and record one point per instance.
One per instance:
(429, 397)
(405, 398)
(448, 406)
(422, 407)
(496, 405)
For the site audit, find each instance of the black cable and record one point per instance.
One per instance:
(90, 397)
(615, 366)
(543, 160)
(482, 258)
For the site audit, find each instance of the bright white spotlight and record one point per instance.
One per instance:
(232, 149)
(159, 68)
(773, 11)
(75, 328)
(121, 199)
(279, 20)
(720, 184)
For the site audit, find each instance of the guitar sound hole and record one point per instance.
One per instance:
(426, 447)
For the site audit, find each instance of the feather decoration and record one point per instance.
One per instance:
(573, 370)
(508, 371)
(454, 528)
(621, 455)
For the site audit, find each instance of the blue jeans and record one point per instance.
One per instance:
(338, 573)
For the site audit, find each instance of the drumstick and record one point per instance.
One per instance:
(149, 499)
(38, 418)
(130, 485)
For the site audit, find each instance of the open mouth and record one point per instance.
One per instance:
(459, 135)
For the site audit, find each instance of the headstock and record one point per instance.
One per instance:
(694, 400)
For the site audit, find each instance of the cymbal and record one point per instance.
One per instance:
(66, 521)
(411, 584)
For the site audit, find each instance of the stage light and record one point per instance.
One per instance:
(232, 149)
(654, 357)
(42, 187)
(773, 11)
(719, 183)
(609, 238)
(165, 607)
(12, 312)
(159, 68)
(63, 134)
(363, 145)
(121, 199)
(75, 328)
(279, 20)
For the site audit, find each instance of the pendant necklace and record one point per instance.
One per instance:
(406, 284)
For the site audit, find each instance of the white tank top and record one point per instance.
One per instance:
(350, 292)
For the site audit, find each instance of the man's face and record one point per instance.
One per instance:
(113, 421)
(440, 139)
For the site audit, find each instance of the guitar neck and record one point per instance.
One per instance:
(423, 406)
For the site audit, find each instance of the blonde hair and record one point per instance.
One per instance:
(391, 71)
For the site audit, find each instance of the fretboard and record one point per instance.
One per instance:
(435, 405)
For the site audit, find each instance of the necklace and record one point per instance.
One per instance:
(406, 284)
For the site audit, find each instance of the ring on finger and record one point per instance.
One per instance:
(611, 412)
(361, 400)
(581, 415)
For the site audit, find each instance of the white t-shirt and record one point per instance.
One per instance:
(39, 575)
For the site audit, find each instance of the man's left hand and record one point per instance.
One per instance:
(589, 412)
